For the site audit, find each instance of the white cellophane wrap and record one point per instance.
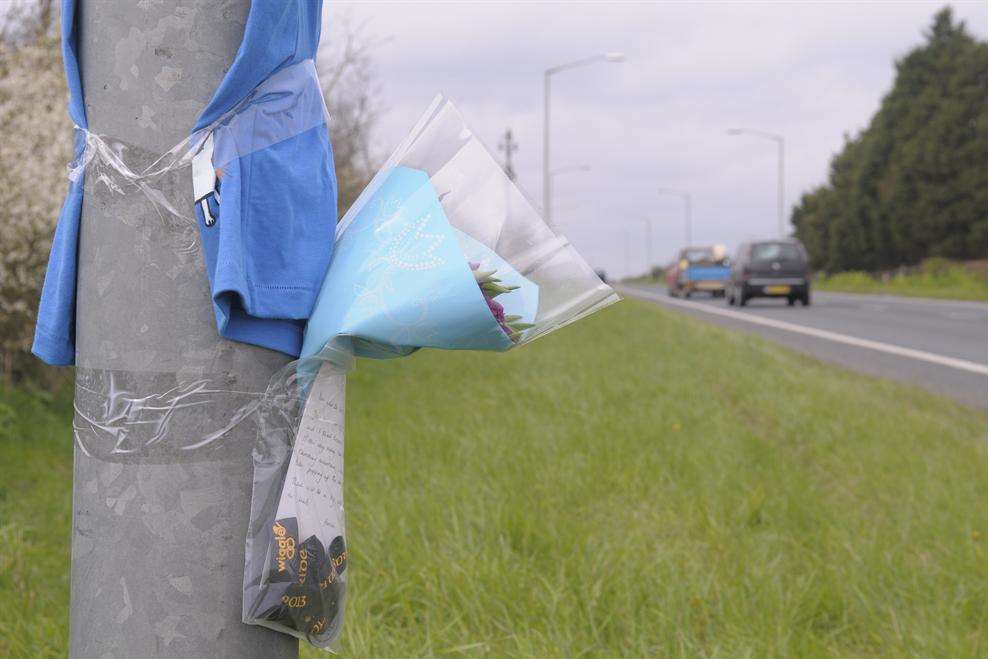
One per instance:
(441, 250)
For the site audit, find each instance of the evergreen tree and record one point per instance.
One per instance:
(911, 185)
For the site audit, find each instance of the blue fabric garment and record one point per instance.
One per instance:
(273, 237)
(54, 332)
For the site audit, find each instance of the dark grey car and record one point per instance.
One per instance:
(769, 268)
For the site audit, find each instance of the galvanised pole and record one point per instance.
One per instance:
(158, 544)
(546, 177)
(547, 91)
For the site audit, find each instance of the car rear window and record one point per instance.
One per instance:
(695, 255)
(775, 252)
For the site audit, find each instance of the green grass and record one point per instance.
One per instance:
(640, 484)
(35, 522)
(937, 279)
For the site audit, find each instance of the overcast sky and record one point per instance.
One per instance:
(810, 71)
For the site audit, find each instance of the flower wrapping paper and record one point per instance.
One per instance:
(441, 250)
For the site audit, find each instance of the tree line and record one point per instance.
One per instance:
(913, 184)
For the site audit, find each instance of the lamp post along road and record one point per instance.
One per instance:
(649, 259)
(687, 208)
(781, 192)
(547, 90)
(648, 246)
(627, 251)
(565, 170)
(158, 544)
(570, 169)
(780, 142)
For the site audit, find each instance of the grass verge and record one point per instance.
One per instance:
(35, 522)
(639, 484)
(936, 279)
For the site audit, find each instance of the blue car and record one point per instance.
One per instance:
(699, 269)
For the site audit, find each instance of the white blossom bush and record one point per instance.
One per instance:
(35, 148)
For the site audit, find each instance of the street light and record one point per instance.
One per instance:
(781, 143)
(566, 170)
(648, 245)
(546, 176)
(688, 208)
(571, 168)
(627, 251)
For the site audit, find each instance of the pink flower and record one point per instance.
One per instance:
(496, 309)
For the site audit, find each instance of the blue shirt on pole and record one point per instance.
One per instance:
(269, 236)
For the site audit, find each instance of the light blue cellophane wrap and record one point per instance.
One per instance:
(400, 279)
(440, 214)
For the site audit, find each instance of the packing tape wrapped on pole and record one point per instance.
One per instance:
(285, 105)
(441, 250)
(119, 415)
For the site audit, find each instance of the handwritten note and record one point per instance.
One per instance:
(313, 490)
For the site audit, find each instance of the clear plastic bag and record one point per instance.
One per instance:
(441, 250)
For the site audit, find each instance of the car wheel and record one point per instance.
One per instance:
(686, 293)
(730, 300)
(743, 300)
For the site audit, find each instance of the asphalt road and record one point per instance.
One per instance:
(936, 344)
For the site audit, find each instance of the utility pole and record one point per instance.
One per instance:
(780, 193)
(687, 210)
(648, 245)
(546, 123)
(158, 544)
(546, 134)
(627, 251)
(508, 147)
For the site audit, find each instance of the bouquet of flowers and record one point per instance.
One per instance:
(441, 250)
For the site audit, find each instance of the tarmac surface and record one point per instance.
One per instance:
(940, 345)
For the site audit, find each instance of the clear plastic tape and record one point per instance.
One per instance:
(441, 250)
(287, 104)
(126, 416)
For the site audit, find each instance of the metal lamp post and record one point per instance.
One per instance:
(627, 251)
(546, 170)
(688, 208)
(566, 170)
(570, 169)
(158, 543)
(780, 141)
(648, 245)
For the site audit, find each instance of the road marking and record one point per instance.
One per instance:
(921, 355)
(902, 299)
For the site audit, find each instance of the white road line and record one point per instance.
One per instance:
(902, 299)
(921, 355)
